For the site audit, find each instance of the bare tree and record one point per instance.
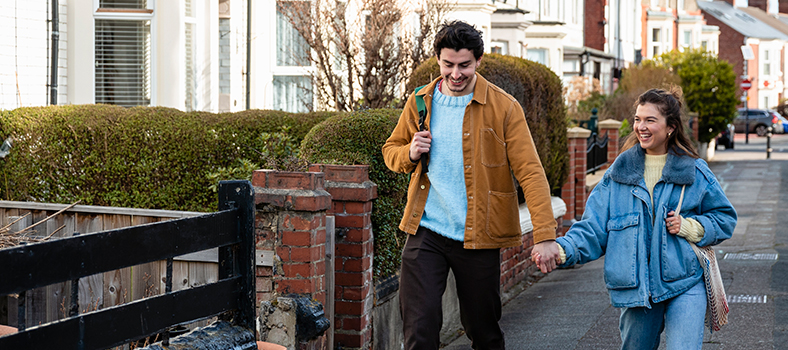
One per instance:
(361, 51)
(432, 13)
(384, 53)
(328, 44)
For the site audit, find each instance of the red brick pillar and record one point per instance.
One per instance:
(290, 221)
(611, 127)
(574, 191)
(352, 193)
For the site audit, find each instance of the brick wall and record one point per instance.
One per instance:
(574, 190)
(610, 127)
(516, 262)
(593, 27)
(291, 220)
(761, 4)
(352, 193)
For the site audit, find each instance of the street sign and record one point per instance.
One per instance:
(746, 84)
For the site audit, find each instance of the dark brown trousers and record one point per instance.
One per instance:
(426, 261)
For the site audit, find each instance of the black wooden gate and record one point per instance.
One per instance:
(232, 297)
(596, 152)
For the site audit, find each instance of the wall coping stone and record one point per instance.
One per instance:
(348, 182)
(301, 191)
(578, 133)
(609, 124)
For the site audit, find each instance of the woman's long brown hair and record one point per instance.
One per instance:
(669, 103)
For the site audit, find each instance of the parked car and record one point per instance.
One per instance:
(725, 138)
(759, 119)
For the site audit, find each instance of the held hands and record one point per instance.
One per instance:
(546, 256)
(673, 223)
(420, 144)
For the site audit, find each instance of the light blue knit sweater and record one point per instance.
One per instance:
(446, 205)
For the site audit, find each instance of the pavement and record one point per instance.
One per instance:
(570, 308)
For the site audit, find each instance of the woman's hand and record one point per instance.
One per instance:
(673, 223)
(546, 256)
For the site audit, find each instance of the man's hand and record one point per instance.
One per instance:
(420, 144)
(546, 256)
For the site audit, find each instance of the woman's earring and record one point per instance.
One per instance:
(669, 134)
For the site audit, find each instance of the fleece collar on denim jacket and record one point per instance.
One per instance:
(631, 164)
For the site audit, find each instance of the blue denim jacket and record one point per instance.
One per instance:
(644, 262)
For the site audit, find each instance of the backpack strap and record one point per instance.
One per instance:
(422, 107)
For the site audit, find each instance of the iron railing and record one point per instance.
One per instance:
(596, 152)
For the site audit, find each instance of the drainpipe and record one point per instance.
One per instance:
(618, 40)
(248, 52)
(53, 55)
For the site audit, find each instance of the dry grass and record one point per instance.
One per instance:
(10, 239)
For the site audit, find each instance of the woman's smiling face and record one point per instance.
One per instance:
(652, 129)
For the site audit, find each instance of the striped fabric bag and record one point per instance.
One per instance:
(717, 302)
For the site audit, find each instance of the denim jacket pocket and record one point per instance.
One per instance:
(621, 253)
(678, 260)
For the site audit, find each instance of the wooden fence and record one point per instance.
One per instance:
(51, 303)
(37, 266)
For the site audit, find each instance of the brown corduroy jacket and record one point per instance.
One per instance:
(496, 143)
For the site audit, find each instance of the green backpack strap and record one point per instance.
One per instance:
(422, 107)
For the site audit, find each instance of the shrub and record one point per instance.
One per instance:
(357, 138)
(142, 157)
(539, 92)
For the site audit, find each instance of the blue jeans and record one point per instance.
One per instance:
(681, 317)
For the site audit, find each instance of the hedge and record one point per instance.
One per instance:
(357, 138)
(143, 157)
(539, 92)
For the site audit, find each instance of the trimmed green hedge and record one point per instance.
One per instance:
(143, 157)
(539, 92)
(357, 138)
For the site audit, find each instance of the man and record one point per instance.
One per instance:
(462, 208)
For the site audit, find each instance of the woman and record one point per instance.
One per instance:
(651, 271)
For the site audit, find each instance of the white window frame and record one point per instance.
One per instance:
(502, 45)
(767, 61)
(276, 44)
(659, 44)
(541, 49)
(141, 15)
(687, 42)
(309, 108)
(286, 71)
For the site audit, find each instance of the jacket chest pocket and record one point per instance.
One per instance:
(493, 148)
(621, 253)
